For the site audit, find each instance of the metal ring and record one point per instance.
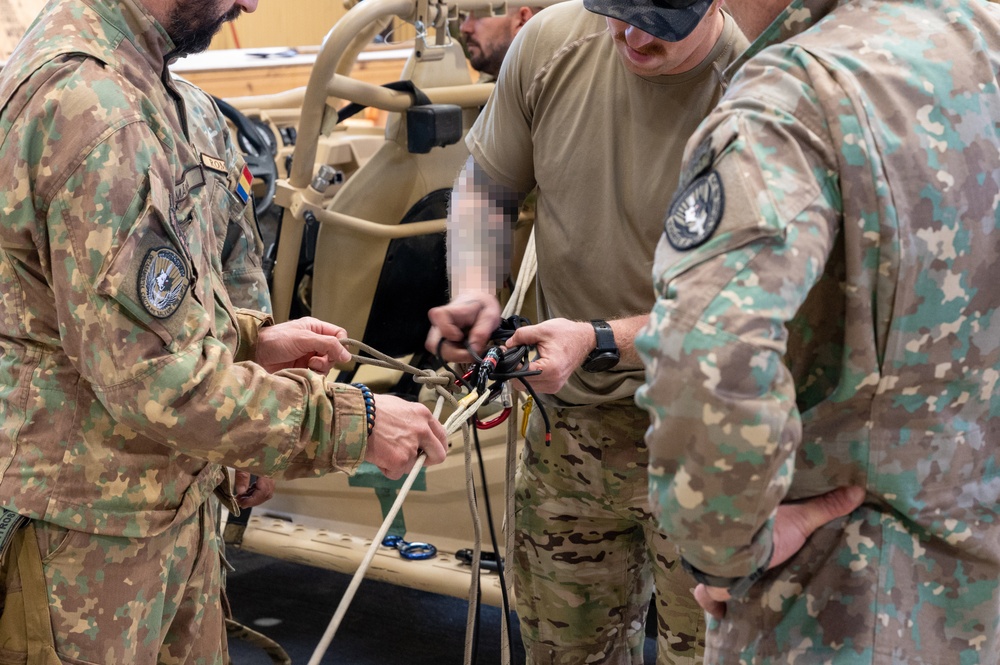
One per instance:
(415, 551)
(393, 541)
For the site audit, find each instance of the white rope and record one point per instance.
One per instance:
(526, 272)
(466, 408)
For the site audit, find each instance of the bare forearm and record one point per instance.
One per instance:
(479, 231)
(625, 331)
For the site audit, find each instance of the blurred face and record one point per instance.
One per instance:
(646, 55)
(191, 24)
(487, 39)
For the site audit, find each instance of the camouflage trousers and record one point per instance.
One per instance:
(588, 552)
(117, 600)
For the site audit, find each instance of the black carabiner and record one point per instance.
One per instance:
(487, 560)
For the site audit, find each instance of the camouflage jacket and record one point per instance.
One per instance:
(828, 314)
(120, 390)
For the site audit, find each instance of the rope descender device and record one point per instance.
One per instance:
(498, 365)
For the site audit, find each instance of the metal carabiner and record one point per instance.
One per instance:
(392, 541)
(407, 550)
(417, 551)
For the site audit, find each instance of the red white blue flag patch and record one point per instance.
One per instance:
(243, 186)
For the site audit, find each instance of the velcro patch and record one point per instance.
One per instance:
(244, 183)
(162, 282)
(695, 213)
(700, 161)
(214, 164)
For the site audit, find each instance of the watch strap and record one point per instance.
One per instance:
(605, 336)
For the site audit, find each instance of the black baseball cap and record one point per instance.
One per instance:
(669, 20)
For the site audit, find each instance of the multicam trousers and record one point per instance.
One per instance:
(587, 549)
(115, 600)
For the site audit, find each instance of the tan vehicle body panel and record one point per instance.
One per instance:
(326, 522)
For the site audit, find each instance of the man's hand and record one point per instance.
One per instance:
(793, 525)
(300, 343)
(562, 346)
(473, 314)
(253, 494)
(402, 431)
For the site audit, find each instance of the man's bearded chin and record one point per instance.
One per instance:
(189, 33)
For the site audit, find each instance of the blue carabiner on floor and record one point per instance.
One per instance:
(417, 551)
(411, 551)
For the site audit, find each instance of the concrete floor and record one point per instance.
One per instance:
(293, 603)
(385, 625)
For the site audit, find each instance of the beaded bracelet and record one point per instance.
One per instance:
(369, 398)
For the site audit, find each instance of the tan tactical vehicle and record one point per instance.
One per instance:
(361, 244)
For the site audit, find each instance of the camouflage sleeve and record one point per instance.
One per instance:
(747, 235)
(166, 369)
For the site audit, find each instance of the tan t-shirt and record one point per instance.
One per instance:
(604, 147)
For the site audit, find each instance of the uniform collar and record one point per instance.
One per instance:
(138, 26)
(799, 16)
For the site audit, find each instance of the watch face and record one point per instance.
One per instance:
(599, 362)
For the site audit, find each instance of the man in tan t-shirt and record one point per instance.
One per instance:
(487, 38)
(594, 111)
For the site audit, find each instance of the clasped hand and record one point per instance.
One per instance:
(793, 525)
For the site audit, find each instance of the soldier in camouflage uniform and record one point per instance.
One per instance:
(136, 359)
(826, 339)
(594, 107)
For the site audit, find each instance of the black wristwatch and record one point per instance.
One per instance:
(606, 355)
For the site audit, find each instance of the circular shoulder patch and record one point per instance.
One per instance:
(695, 214)
(163, 282)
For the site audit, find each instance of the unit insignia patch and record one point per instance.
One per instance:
(696, 213)
(163, 282)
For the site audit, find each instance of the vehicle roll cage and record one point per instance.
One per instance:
(328, 85)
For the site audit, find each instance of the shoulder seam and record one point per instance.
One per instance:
(559, 55)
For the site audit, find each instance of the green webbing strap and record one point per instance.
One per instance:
(386, 490)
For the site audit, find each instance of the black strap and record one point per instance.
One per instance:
(233, 233)
(419, 99)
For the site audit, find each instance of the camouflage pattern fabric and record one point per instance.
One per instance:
(159, 596)
(828, 316)
(587, 548)
(120, 396)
